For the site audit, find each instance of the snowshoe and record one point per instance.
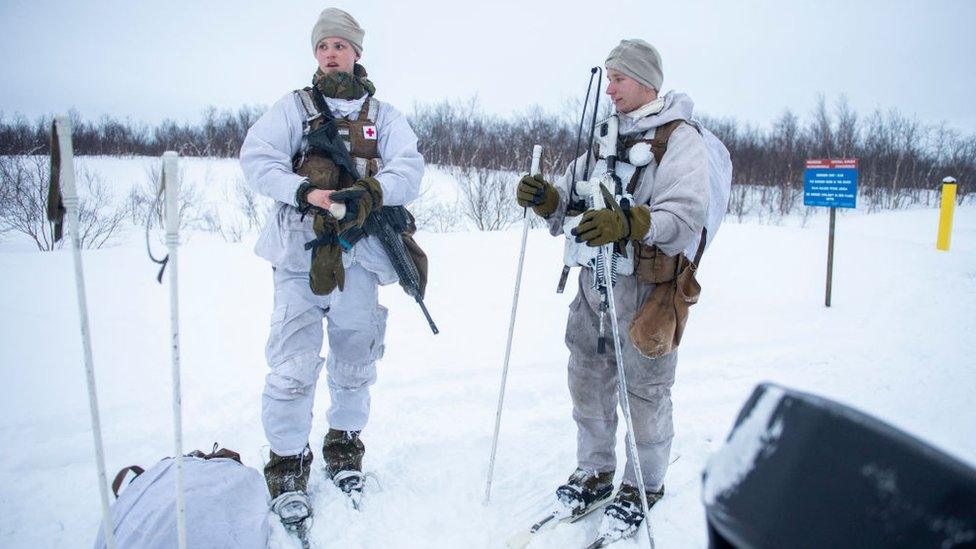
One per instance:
(294, 510)
(287, 478)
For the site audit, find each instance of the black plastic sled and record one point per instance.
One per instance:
(802, 471)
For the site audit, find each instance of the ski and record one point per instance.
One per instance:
(612, 535)
(550, 521)
(601, 541)
(606, 538)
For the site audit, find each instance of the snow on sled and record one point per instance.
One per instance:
(802, 471)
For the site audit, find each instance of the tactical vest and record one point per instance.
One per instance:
(359, 135)
(651, 264)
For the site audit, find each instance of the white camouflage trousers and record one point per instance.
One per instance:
(593, 385)
(356, 329)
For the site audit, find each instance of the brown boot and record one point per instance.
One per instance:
(343, 452)
(623, 516)
(583, 489)
(287, 478)
(288, 473)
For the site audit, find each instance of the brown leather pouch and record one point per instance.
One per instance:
(652, 266)
(660, 322)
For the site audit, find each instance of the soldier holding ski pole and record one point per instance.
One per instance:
(629, 211)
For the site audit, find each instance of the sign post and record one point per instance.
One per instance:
(833, 184)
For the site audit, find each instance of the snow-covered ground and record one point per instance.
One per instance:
(898, 343)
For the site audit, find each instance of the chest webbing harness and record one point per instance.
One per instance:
(335, 153)
(668, 266)
(654, 260)
(319, 159)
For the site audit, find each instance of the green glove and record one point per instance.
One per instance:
(613, 223)
(360, 198)
(538, 193)
(326, 273)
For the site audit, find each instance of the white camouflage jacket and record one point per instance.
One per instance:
(676, 192)
(266, 159)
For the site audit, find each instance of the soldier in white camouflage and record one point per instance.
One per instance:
(315, 278)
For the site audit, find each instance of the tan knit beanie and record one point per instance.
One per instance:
(335, 22)
(638, 60)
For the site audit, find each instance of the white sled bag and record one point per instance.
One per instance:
(226, 506)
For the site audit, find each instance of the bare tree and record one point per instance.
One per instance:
(821, 131)
(24, 186)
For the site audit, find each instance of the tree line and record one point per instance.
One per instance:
(897, 152)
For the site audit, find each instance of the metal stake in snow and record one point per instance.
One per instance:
(171, 185)
(62, 162)
(536, 157)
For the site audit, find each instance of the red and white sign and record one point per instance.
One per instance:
(832, 164)
(369, 132)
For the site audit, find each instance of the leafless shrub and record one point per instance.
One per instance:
(439, 217)
(146, 205)
(254, 208)
(24, 184)
(229, 228)
(487, 199)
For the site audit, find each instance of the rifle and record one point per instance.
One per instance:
(386, 223)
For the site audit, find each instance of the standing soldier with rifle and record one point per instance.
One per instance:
(331, 147)
(653, 164)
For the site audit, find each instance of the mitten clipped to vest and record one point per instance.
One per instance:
(326, 273)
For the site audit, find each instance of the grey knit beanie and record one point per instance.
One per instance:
(638, 60)
(335, 22)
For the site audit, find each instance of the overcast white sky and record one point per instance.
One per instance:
(747, 59)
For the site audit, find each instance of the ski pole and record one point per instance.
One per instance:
(61, 139)
(171, 185)
(536, 157)
(606, 250)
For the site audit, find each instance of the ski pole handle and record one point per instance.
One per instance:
(66, 172)
(536, 159)
(171, 182)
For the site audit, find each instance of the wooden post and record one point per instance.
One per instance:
(830, 254)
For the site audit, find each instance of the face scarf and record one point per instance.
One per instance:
(343, 85)
(648, 109)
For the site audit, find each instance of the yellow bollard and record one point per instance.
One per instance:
(945, 213)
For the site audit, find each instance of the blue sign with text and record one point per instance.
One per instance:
(831, 183)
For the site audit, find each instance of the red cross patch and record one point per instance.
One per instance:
(369, 132)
